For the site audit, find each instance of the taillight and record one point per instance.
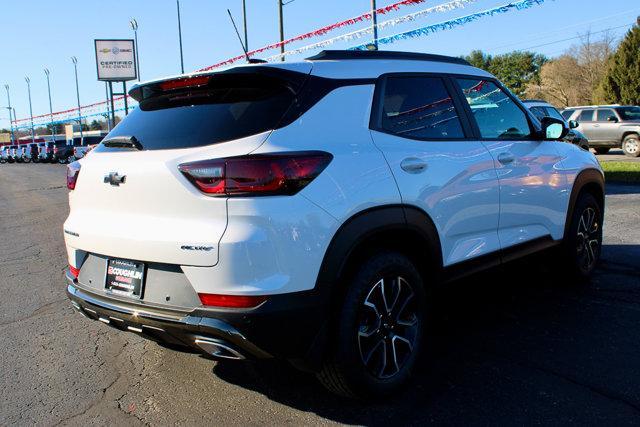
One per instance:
(256, 175)
(73, 170)
(75, 272)
(185, 82)
(55, 150)
(231, 301)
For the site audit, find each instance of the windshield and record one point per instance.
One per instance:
(228, 107)
(629, 113)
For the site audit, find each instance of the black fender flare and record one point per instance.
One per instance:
(585, 178)
(366, 224)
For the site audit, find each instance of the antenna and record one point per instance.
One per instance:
(244, 49)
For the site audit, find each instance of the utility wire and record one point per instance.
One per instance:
(576, 37)
(546, 34)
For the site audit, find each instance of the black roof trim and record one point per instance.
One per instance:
(331, 55)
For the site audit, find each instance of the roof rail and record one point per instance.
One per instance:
(332, 55)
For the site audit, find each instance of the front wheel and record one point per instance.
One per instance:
(378, 334)
(631, 145)
(583, 243)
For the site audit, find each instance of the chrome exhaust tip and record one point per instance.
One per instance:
(218, 349)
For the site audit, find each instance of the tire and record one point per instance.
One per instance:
(582, 245)
(363, 336)
(631, 145)
(27, 160)
(602, 150)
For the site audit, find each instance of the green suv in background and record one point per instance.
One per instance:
(608, 126)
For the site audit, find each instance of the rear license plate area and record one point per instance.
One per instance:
(125, 278)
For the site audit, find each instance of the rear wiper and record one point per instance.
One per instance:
(123, 142)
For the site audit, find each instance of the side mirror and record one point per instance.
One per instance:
(553, 128)
(613, 119)
(573, 124)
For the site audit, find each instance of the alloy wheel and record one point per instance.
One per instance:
(631, 146)
(588, 241)
(388, 327)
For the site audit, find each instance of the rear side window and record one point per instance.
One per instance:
(497, 115)
(225, 108)
(419, 107)
(585, 116)
(604, 114)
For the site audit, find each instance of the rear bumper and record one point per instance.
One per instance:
(286, 326)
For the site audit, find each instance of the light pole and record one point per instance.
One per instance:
(46, 73)
(28, 80)
(180, 37)
(375, 24)
(13, 136)
(134, 27)
(281, 20)
(244, 18)
(75, 69)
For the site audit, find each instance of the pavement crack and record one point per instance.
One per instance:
(43, 309)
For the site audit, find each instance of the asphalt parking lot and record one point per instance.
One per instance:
(616, 154)
(513, 346)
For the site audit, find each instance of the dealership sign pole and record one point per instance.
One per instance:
(116, 62)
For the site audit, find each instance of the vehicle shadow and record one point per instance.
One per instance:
(516, 345)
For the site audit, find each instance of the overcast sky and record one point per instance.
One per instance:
(46, 33)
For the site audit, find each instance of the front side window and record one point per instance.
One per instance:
(539, 112)
(420, 107)
(586, 116)
(567, 113)
(497, 115)
(604, 114)
(552, 112)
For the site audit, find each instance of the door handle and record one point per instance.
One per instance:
(506, 158)
(413, 165)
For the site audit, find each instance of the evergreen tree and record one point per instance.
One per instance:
(621, 83)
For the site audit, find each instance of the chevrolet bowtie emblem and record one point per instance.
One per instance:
(114, 179)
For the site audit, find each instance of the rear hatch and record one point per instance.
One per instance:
(131, 201)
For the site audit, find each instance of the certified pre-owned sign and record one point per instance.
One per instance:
(115, 60)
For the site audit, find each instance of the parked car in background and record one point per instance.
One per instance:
(45, 154)
(10, 153)
(89, 143)
(304, 211)
(608, 126)
(4, 153)
(63, 152)
(542, 109)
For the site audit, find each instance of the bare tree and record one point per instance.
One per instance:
(572, 78)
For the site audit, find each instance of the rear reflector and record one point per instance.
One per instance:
(73, 170)
(74, 271)
(183, 83)
(231, 301)
(256, 175)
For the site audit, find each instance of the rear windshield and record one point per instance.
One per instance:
(227, 107)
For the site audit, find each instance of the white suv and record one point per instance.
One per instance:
(302, 210)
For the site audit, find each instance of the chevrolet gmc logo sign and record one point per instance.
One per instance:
(114, 179)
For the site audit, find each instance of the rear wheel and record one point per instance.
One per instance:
(582, 245)
(602, 150)
(631, 145)
(378, 335)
